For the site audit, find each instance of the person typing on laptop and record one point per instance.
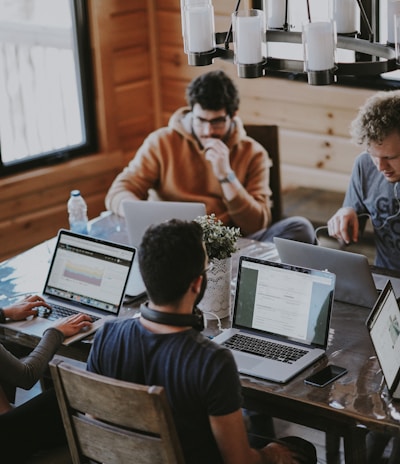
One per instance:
(374, 184)
(374, 191)
(204, 155)
(37, 422)
(165, 347)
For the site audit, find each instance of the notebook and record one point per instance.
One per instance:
(140, 215)
(284, 308)
(87, 275)
(354, 280)
(383, 325)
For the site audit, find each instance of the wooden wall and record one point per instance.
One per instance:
(140, 76)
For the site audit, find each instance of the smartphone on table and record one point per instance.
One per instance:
(325, 376)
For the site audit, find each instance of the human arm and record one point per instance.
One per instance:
(231, 437)
(29, 307)
(344, 225)
(24, 308)
(5, 405)
(26, 372)
(141, 174)
(247, 196)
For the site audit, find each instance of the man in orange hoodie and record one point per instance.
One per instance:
(204, 155)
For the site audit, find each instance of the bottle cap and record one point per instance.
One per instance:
(75, 193)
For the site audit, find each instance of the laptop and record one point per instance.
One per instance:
(140, 215)
(283, 308)
(87, 275)
(354, 280)
(383, 325)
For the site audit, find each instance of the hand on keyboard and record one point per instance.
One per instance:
(30, 306)
(74, 324)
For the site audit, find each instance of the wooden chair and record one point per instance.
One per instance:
(112, 421)
(268, 137)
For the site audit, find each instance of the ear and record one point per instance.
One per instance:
(196, 284)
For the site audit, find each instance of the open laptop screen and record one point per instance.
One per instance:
(384, 327)
(89, 271)
(284, 300)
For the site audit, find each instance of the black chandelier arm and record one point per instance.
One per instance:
(366, 20)
(343, 41)
(383, 57)
(228, 35)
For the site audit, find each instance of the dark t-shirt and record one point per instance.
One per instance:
(200, 377)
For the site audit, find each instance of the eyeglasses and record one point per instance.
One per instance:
(216, 123)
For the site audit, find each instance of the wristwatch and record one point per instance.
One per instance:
(229, 178)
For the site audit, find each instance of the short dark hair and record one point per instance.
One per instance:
(213, 91)
(171, 256)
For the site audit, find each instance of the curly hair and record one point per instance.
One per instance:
(213, 91)
(377, 118)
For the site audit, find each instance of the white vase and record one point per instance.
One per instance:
(217, 297)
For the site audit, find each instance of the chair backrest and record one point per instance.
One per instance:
(112, 421)
(268, 137)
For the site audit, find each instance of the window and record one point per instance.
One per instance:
(46, 110)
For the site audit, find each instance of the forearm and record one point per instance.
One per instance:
(115, 198)
(249, 213)
(133, 183)
(26, 372)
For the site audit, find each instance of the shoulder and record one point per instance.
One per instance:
(213, 352)
(116, 329)
(165, 138)
(364, 164)
(248, 146)
(363, 158)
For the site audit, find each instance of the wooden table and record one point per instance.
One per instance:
(349, 407)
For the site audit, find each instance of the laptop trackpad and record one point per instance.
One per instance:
(247, 362)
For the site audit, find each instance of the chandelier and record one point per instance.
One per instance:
(264, 22)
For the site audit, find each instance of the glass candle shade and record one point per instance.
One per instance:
(199, 29)
(248, 35)
(393, 9)
(344, 13)
(185, 3)
(397, 37)
(319, 44)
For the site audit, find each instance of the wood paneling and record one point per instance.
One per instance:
(140, 78)
(33, 206)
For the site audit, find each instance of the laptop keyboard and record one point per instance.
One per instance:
(58, 312)
(264, 348)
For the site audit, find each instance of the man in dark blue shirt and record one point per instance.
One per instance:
(165, 347)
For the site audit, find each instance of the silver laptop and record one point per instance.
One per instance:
(140, 215)
(383, 325)
(354, 280)
(86, 275)
(281, 318)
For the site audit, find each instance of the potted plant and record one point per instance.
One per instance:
(220, 242)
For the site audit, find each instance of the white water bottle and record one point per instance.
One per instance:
(77, 213)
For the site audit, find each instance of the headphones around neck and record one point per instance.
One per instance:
(194, 320)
